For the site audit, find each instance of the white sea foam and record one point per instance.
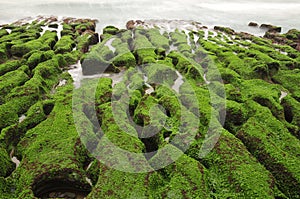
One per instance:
(235, 14)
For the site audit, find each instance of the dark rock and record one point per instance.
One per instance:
(245, 35)
(53, 25)
(139, 22)
(271, 28)
(298, 46)
(253, 24)
(110, 30)
(225, 29)
(130, 25)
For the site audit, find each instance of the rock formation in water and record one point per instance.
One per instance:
(255, 155)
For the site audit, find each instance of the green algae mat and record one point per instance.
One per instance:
(157, 110)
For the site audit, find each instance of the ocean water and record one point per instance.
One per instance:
(236, 14)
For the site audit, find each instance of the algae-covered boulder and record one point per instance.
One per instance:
(98, 60)
(9, 66)
(144, 50)
(21, 49)
(11, 80)
(259, 135)
(185, 177)
(64, 45)
(6, 164)
(110, 30)
(3, 55)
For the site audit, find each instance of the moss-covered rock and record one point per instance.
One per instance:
(110, 30)
(117, 184)
(98, 60)
(104, 91)
(65, 167)
(3, 32)
(233, 171)
(290, 80)
(158, 40)
(6, 164)
(11, 80)
(185, 178)
(64, 45)
(186, 66)
(144, 50)
(178, 37)
(124, 57)
(160, 74)
(266, 138)
(21, 49)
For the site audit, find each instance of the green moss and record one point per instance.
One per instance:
(34, 59)
(292, 34)
(126, 140)
(9, 66)
(6, 165)
(64, 163)
(289, 79)
(265, 94)
(22, 97)
(14, 133)
(134, 79)
(124, 60)
(146, 56)
(123, 55)
(164, 90)
(21, 49)
(8, 115)
(272, 64)
(229, 76)
(186, 66)
(64, 45)
(158, 40)
(144, 50)
(3, 55)
(49, 38)
(110, 30)
(236, 115)
(103, 91)
(72, 57)
(292, 114)
(160, 74)
(173, 109)
(83, 43)
(3, 32)
(5, 188)
(233, 93)
(135, 98)
(116, 184)
(233, 171)
(98, 60)
(11, 80)
(271, 143)
(185, 178)
(178, 37)
(184, 48)
(142, 112)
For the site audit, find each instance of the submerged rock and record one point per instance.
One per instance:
(253, 24)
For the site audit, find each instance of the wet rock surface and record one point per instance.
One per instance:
(153, 79)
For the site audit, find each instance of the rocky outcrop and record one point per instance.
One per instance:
(271, 28)
(253, 24)
(167, 105)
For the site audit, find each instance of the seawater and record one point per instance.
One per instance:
(235, 14)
